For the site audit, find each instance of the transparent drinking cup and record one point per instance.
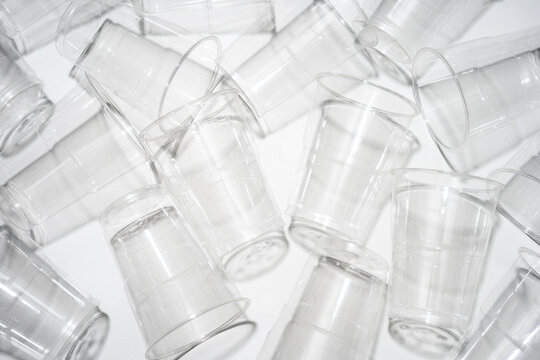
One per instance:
(508, 327)
(180, 298)
(335, 311)
(521, 192)
(208, 159)
(358, 137)
(73, 182)
(44, 316)
(26, 26)
(441, 231)
(274, 81)
(24, 107)
(110, 50)
(214, 16)
(480, 98)
(399, 28)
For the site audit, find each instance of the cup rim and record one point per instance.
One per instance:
(166, 135)
(521, 225)
(492, 185)
(243, 304)
(418, 99)
(407, 134)
(361, 82)
(526, 254)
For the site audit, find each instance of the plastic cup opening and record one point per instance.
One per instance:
(224, 343)
(197, 54)
(464, 183)
(531, 260)
(422, 337)
(88, 344)
(361, 92)
(209, 323)
(513, 213)
(431, 98)
(256, 257)
(389, 46)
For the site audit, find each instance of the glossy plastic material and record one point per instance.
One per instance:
(359, 134)
(399, 28)
(336, 309)
(180, 298)
(480, 98)
(207, 157)
(24, 107)
(72, 183)
(213, 16)
(521, 194)
(153, 74)
(27, 25)
(441, 231)
(274, 80)
(509, 325)
(44, 317)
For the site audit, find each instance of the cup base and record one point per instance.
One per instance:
(421, 337)
(312, 235)
(89, 342)
(257, 257)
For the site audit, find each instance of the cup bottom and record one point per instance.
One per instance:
(88, 344)
(312, 235)
(421, 337)
(257, 256)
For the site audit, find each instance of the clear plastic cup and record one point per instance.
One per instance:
(213, 16)
(26, 26)
(44, 316)
(359, 134)
(441, 231)
(336, 309)
(480, 98)
(180, 298)
(399, 28)
(208, 159)
(24, 107)
(508, 327)
(73, 182)
(521, 193)
(154, 74)
(274, 80)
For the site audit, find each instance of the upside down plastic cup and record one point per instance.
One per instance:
(180, 298)
(521, 192)
(480, 98)
(509, 324)
(336, 310)
(399, 28)
(274, 79)
(214, 16)
(441, 230)
(24, 107)
(78, 177)
(43, 315)
(356, 140)
(208, 159)
(154, 74)
(26, 26)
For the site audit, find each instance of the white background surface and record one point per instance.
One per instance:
(84, 254)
